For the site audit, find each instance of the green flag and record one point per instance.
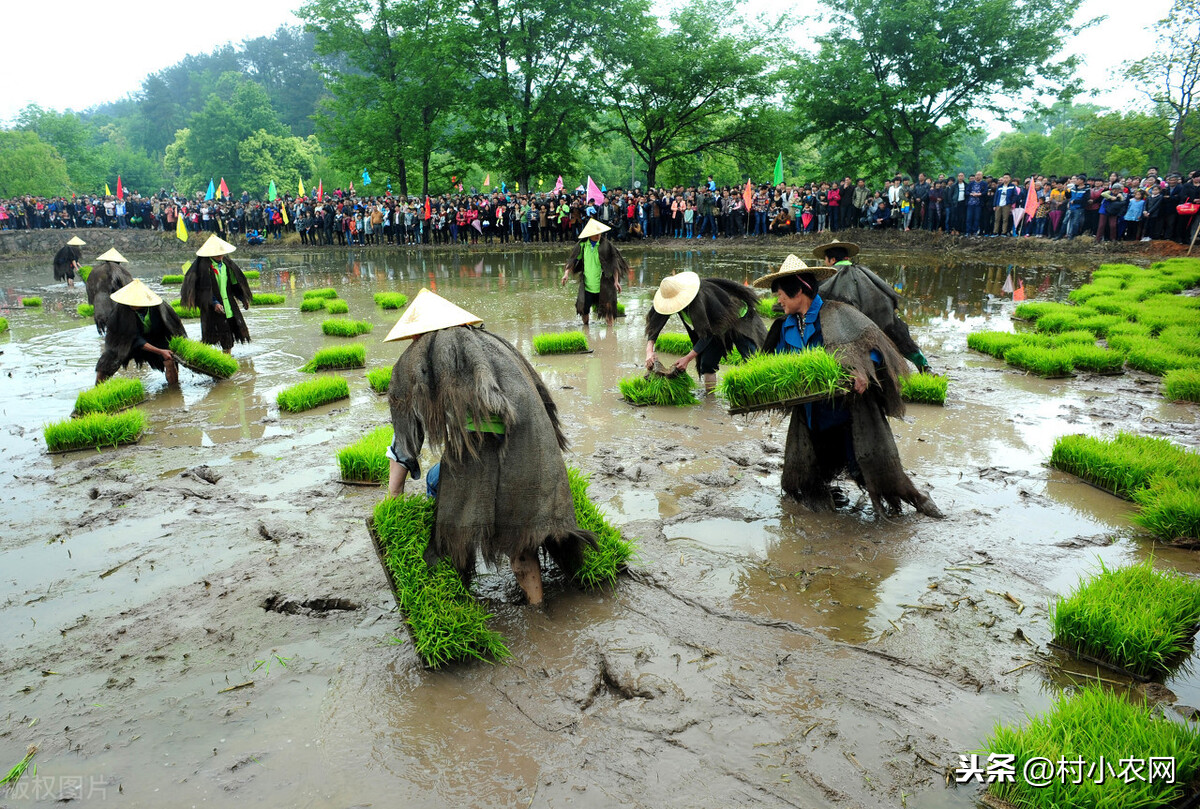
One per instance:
(271, 195)
(779, 169)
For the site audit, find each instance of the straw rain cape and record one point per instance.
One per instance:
(62, 262)
(199, 290)
(106, 278)
(611, 263)
(868, 293)
(124, 327)
(717, 310)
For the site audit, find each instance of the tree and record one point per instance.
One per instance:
(284, 160)
(696, 88)
(896, 83)
(28, 165)
(1171, 74)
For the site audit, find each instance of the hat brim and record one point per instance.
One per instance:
(851, 249)
(594, 227)
(665, 305)
(429, 312)
(76, 242)
(215, 246)
(136, 295)
(821, 273)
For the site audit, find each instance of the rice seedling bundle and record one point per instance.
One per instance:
(85, 271)
(204, 358)
(266, 299)
(324, 292)
(1185, 270)
(620, 308)
(346, 328)
(1147, 354)
(1180, 385)
(3, 325)
(336, 306)
(656, 389)
(31, 302)
(732, 357)
(312, 393)
(612, 553)
(924, 388)
(1096, 725)
(1098, 287)
(391, 300)
(172, 279)
(251, 275)
(1064, 321)
(365, 460)
(337, 357)
(1184, 339)
(185, 312)
(312, 304)
(766, 307)
(1165, 311)
(1042, 361)
(1125, 336)
(379, 379)
(673, 343)
(768, 378)
(85, 310)
(1035, 310)
(1099, 324)
(95, 430)
(568, 342)
(995, 343)
(14, 775)
(1121, 272)
(1118, 305)
(1066, 338)
(446, 622)
(1137, 618)
(1169, 508)
(1142, 288)
(1126, 463)
(111, 395)
(1096, 359)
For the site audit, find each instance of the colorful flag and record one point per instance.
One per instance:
(301, 186)
(224, 189)
(1007, 289)
(180, 228)
(603, 190)
(593, 191)
(351, 188)
(540, 182)
(778, 169)
(1031, 201)
(120, 193)
(366, 178)
(283, 212)
(748, 194)
(558, 186)
(487, 180)
(107, 192)
(211, 193)
(320, 190)
(428, 208)
(272, 194)
(504, 188)
(1019, 292)
(517, 185)
(1018, 214)
(475, 224)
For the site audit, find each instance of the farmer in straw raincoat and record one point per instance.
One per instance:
(215, 284)
(599, 263)
(108, 275)
(66, 260)
(140, 328)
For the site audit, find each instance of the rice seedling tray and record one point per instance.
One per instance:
(365, 463)
(391, 300)
(785, 404)
(31, 302)
(312, 393)
(568, 342)
(251, 275)
(924, 389)
(172, 279)
(335, 306)
(266, 299)
(312, 305)
(1096, 661)
(111, 396)
(93, 431)
(771, 381)
(325, 292)
(203, 359)
(337, 358)
(658, 389)
(85, 310)
(673, 343)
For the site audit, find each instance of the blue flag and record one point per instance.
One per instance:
(212, 190)
(366, 178)
(503, 188)
(603, 190)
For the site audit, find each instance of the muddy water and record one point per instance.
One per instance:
(758, 655)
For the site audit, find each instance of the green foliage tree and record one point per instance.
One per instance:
(29, 165)
(285, 160)
(1170, 76)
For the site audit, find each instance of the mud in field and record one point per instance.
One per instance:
(200, 619)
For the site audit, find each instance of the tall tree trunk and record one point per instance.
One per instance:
(1176, 147)
(651, 170)
(425, 174)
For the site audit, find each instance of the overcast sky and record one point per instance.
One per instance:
(73, 54)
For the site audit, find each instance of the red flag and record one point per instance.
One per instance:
(224, 189)
(120, 193)
(320, 190)
(748, 194)
(428, 208)
(1031, 201)
(351, 188)
(1019, 292)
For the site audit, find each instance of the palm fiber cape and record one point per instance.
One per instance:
(106, 278)
(501, 493)
(716, 311)
(611, 263)
(200, 290)
(809, 464)
(62, 261)
(124, 327)
(868, 293)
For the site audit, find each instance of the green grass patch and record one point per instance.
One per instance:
(204, 358)
(266, 299)
(251, 275)
(391, 300)
(109, 396)
(1097, 725)
(1184, 339)
(657, 389)
(312, 393)
(185, 312)
(1096, 359)
(325, 292)
(312, 304)
(31, 302)
(567, 342)
(1180, 385)
(1134, 617)
(337, 357)
(85, 271)
(172, 279)
(346, 328)
(379, 379)
(3, 325)
(1149, 355)
(365, 460)
(924, 388)
(336, 306)
(1040, 360)
(766, 378)
(673, 343)
(1036, 310)
(85, 310)
(994, 343)
(613, 552)
(95, 430)
(766, 307)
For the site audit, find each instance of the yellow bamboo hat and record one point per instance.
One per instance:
(676, 292)
(112, 255)
(594, 227)
(136, 293)
(792, 265)
(76, 242)
(428, 312)
(215, 246)
(850, 247)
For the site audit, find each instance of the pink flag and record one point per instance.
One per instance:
(1031, 201)
(593, 192)
(475, 224)
(120, 191)
(558, 186)
(1007, 289)
(748, 194)
(1018, 214)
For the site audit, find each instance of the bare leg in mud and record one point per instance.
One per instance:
(529, 576)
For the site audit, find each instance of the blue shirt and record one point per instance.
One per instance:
(976, 187)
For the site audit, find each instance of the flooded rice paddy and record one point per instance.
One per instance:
(758, 654)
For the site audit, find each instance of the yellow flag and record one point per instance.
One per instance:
(518, 185)
(283, 210)
(107, 193)
(301, 186)
(180, 229)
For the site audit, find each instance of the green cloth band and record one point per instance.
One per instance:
(493, 425)
(222, 279)
(918, 359)
(591, 265)
(745, 309)
(683, 316)
(146, 322)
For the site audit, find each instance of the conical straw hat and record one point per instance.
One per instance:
(850, 247)
(112, 255)
(215, 246)
(135, 293)
(793, 265)
(676, 292)
(76, 242)
(429, 312)
(594, 227)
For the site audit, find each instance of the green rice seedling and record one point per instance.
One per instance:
(446, 622)
(1147, 354)
(1042, 361)
(1143, 288)
(767, 378)
(1184, 339)
(172, 279)
(1180, 385)
(924, 388)
(204, 358)
(3, 325)
(1122, 272)
(266, 299)
(673, 343)
(1119, 305)
(312, 305)
(1095, 725)
(85, 271)
(31, 302)
(251, 275)
(312, 393)
(365, 461)
(1126, 463)
(185, 312)
(336, 306)
(1123, 337)
(85, 310)
(346, 328)
(1064, 320)
(766, 307)
(109, 396)
(14, 775)
(613, 552)
(657, 389)
(1135, 617)
(732, 357)
(379, 379)
(995, 343)
(620, 308)
(95, 430)
(1184, 270)
(337, 357)
(568, 342)
(1096, 359)
(1169, 508)
(1098, 287)
(324, 292)
(391, 300)
(1066, 338)
(1163, 311)
(1035, 310)
(1099, 324)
